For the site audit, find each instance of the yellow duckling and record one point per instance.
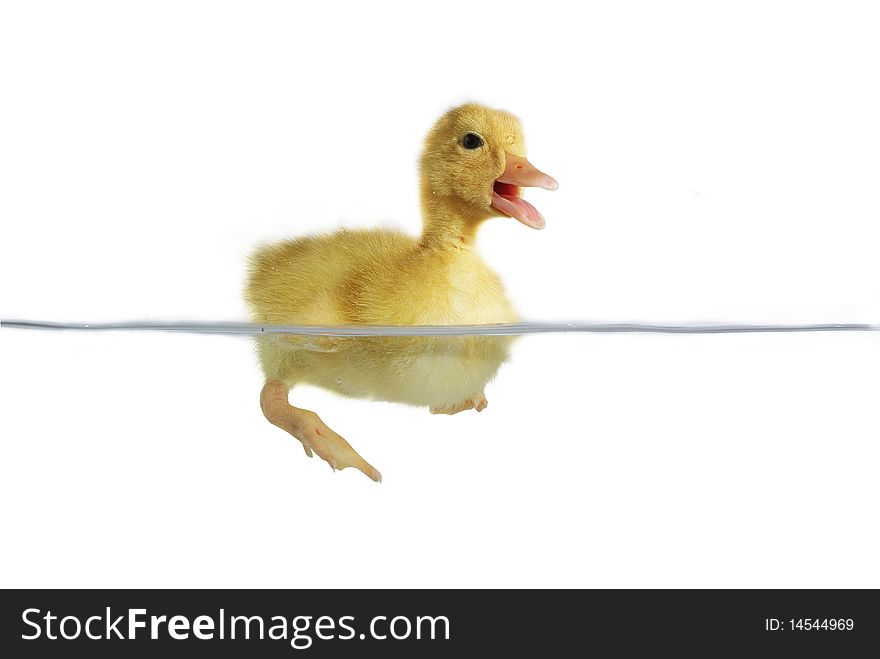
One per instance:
(473, 167)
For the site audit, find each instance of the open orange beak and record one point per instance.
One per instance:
(519, 173)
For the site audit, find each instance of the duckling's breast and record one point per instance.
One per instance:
(458, 290)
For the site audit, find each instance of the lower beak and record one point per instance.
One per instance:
(506, 193)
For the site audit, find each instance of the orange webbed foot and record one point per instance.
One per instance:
(477, 403)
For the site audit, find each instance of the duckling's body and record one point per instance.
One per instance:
(472, 168)
(380, 278)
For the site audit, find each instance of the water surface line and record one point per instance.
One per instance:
(498, 329)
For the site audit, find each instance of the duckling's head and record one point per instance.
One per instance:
(474, 166)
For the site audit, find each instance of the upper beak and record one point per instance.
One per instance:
(519, 171)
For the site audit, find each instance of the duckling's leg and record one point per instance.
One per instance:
(308, 428)
(477, 403)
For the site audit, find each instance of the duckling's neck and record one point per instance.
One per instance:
(449, 223)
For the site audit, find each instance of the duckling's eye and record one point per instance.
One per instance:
(471, 141)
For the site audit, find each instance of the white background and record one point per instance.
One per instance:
(716, 162)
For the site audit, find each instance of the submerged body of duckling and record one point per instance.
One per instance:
(473, 167)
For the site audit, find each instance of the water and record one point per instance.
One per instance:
(499, 329)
